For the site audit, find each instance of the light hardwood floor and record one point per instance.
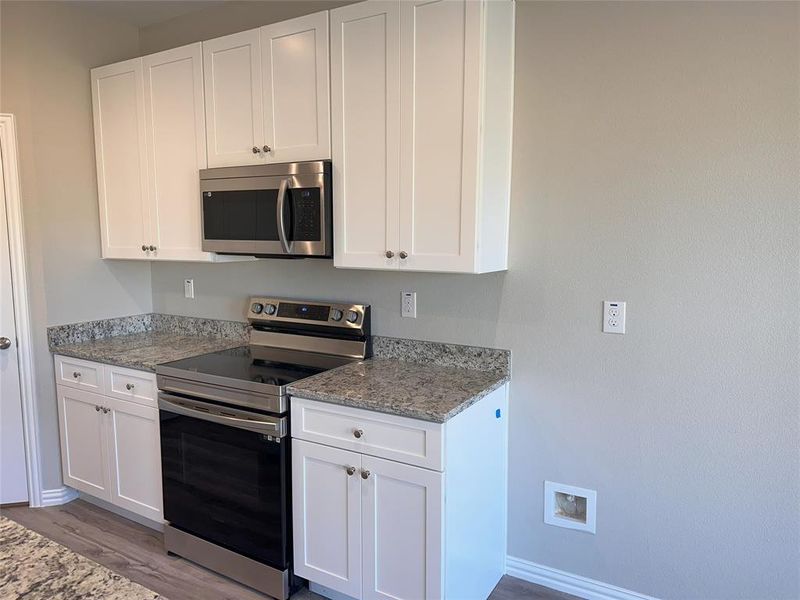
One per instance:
(137, 553)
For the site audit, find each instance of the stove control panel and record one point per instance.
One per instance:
(332, 314)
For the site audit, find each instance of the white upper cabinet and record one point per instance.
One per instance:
(365, 102)
(267, 97)
(234, 114)
(119, 134)
(176, 151)
(295, 73)
(432, 194)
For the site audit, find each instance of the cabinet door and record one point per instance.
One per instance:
(326, 506)
(176, 150)
(234, 113)
(365, 116)
(119, 136)
(295, 68)
(84, 457)
(440, 59)
(402, 531)
(135, 454)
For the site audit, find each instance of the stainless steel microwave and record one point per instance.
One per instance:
(278, 210)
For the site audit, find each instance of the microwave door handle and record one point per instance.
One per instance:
(280, 212)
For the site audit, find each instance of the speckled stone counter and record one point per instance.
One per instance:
(143, 341)
(425, 391)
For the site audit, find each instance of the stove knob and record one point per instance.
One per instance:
(352, 316)
(269, 309)
(336, 314)
(257, 307)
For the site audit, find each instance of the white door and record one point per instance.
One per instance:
(13, 476)
(135, 457)
(295, 67)
(84, 454)
(365, 117)
(402, 531)
(326, 506)
(176, 150)
(119, 133)
(234, 111)
(441, 45)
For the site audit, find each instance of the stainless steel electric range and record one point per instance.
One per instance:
(225, 446)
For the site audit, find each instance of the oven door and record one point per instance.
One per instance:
(280, 214)
(226, 477)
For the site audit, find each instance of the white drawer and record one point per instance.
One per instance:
(132, 385)
(387, 436)
(81, 374)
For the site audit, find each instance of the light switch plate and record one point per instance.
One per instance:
(613, 316)
(188, 288)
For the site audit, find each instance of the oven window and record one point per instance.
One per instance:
(228, 486)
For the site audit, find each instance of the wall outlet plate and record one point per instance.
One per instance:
(613, 316)
(408, 304)
(188, 288)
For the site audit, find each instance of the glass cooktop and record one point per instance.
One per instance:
(255, 365)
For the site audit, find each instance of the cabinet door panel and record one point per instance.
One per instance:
(119, 132)
(296, 93)
(402, 531)
(135, 453)
(176, 150)
(326, 507)
(234, 114)
(84, 458)
(439, 74)
(365, 86)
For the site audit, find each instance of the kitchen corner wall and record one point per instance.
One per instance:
(46, 51)
(655, 161)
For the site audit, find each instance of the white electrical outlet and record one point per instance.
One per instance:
(408, 307)
(613, 316)
(188, 288)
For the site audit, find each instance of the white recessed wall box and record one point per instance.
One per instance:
(569, 506)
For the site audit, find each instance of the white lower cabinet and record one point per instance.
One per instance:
(110, 447)
(373, 528)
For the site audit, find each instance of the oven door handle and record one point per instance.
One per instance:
(281, 208)
(230, 417)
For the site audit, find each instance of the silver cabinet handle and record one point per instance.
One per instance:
(129, 386)
(350, 470)
(96, 408)
(267, 149)
(403, 254)
(106, 410)
(364, 474)
(5, 343)
(144, 248)
(358, 433)
(152, 248)
(285, 183)
(76, 374)
(389, 254)
(256, 149)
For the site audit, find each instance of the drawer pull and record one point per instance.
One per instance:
(350, 470)
(129, 386)
(358, 433)
(76, 374)
(364, 474)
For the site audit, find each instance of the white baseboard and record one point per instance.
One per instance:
(58, 496)
(583, 587)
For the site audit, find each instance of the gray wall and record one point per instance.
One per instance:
(655, 161)
(46, 51)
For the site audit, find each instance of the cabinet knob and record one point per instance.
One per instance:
(106, 410)
(129, 386)
(76, 374)
(358, 433)
(403, 254)
(97, 408)
(364, 474)
(389, 254)
(152, 248)
(5, 343)
(256, 149)
(350, 470)
(267, 149)
(144, 248)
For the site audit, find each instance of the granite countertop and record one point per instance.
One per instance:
(418, 390)
(145, 350)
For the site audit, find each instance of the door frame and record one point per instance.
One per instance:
(16, 242)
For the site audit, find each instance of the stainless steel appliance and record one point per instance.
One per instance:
(279, 210)
(225, 446)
